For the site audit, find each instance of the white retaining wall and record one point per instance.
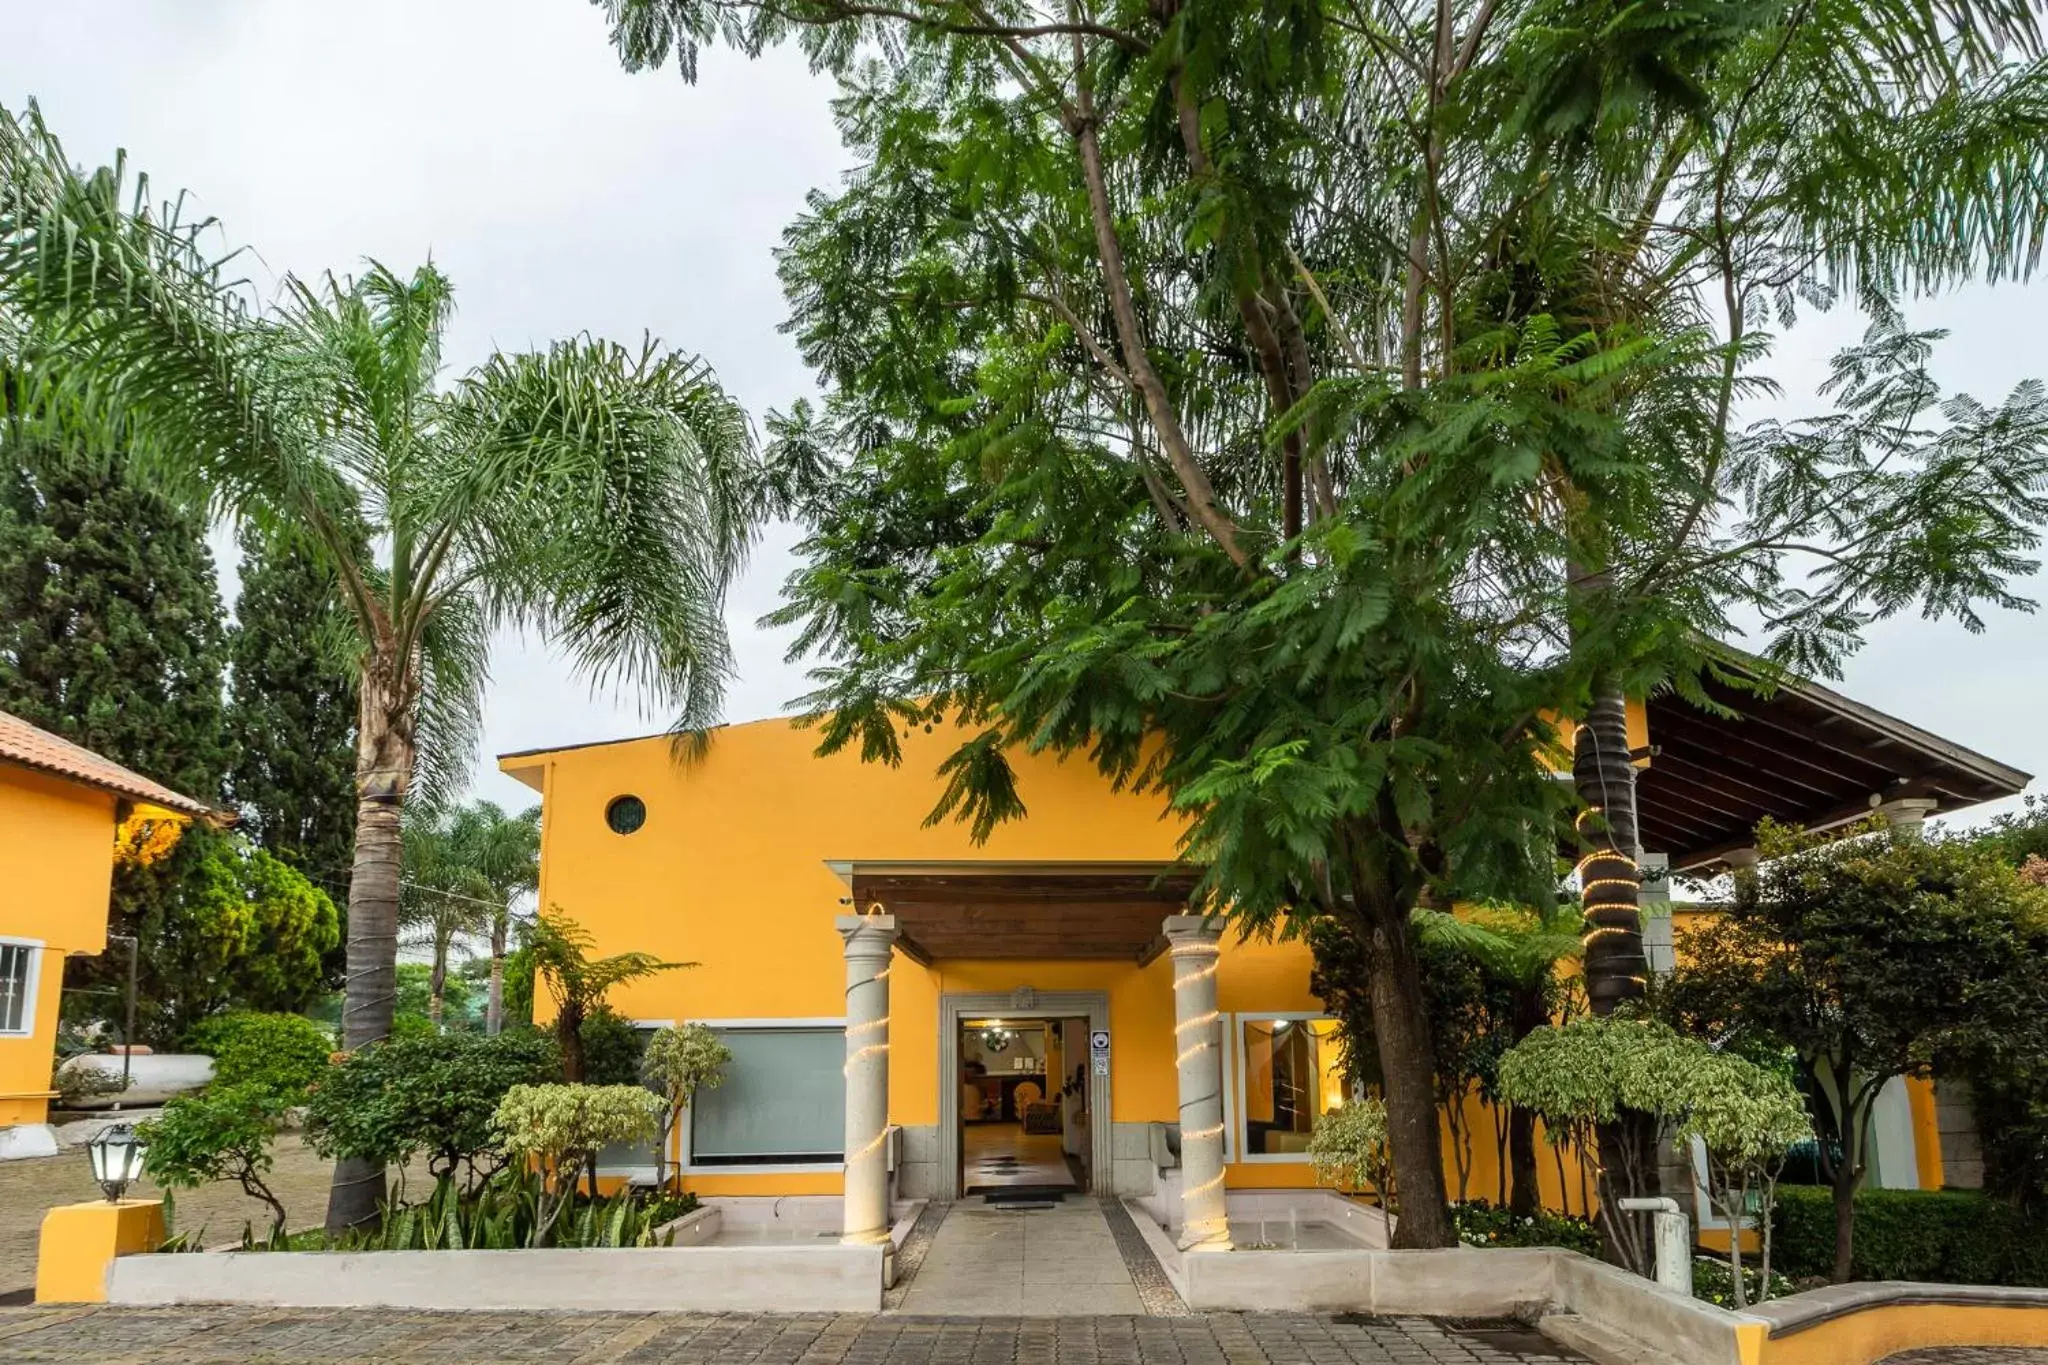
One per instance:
(826, 1278)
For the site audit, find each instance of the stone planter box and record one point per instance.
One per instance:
(822, 1278)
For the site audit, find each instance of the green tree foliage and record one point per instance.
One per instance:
(604, 494)
(292, 706)
(222, 1133)
(1829, 950)
(417, 1006)
(558, 1127)
(677, 1063)
(110, 622)
(612, 1047)
(433, 1095)
(2007, 1072)
(579, 983)
(286, 1054)
(1348, 1149)
(1587, 1078)
(1289, 409)
(224, 924)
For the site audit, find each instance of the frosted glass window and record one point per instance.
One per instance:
(783, 1100)
(16, 961)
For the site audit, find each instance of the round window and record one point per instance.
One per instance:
(625, 814)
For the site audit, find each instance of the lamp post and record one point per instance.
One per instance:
(128, 1034)
(116, 1155)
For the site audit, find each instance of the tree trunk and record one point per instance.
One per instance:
(384, 762)
(569, 1033)
(1402, 1029)
(1615, 966)
(1527, 1199)
(1531, 1012)
(494, 1001)
(1845, 1221)
(437, 984)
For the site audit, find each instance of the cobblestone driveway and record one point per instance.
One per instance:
(246, 1336)
(193, 1336)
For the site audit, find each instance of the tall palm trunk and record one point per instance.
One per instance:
(494, 1002)
(437, 982)
(1616, 967)
(384, 766)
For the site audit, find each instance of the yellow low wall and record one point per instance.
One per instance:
(79, 1242)
(1864, 1336)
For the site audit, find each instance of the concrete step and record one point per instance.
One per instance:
(1600, 1344)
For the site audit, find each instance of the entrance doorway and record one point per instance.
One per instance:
(1023, 1106)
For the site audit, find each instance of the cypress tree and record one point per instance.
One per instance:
(110, 620)
(292, 706)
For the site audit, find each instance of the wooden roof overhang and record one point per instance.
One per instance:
(1023, 910)
(1800, 754)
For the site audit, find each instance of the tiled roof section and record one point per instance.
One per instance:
(31, 747)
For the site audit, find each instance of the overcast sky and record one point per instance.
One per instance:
(561, 194)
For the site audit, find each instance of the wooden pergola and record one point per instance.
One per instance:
(1801, 754)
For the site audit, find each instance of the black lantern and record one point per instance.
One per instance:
(116, 1156)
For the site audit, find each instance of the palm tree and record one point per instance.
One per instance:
(466, 871)
(603, 495)
(439, 898)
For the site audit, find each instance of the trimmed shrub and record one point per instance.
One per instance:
(285, 1054)
(1936, 1236)
(435, 1094)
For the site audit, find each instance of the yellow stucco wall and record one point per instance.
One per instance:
(730, 872)
(57, 867)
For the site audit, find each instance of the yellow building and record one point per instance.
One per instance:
(1040, 1009)
(61, 808)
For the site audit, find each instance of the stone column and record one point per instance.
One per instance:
(1908, 814)
(869, 942)
(1197, 1036)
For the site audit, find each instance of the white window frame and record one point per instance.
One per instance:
(1236, 1125)
(31, 983)
(685, 1131)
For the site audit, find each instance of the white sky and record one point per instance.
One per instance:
(561, 194)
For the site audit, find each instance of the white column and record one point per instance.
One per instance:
(1197, 1036)
(1908, 814)
(869, 941)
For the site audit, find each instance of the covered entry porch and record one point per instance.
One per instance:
(1111, 951)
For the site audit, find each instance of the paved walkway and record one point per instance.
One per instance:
(1053, 1262)
(224, 1336)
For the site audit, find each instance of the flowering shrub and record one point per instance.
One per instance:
(1711, 1281)
(1480, 1224)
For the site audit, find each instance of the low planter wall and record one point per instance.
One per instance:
(827, 1278)
(1545, 1285)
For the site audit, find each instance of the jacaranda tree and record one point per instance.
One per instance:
(1298, 408)
(601, 494)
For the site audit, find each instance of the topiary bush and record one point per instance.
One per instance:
(285, 1054)
(1935, 1236)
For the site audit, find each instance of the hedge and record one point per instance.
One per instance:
(1935, 1236)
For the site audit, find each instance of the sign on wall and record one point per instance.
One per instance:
(1098, 1051)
